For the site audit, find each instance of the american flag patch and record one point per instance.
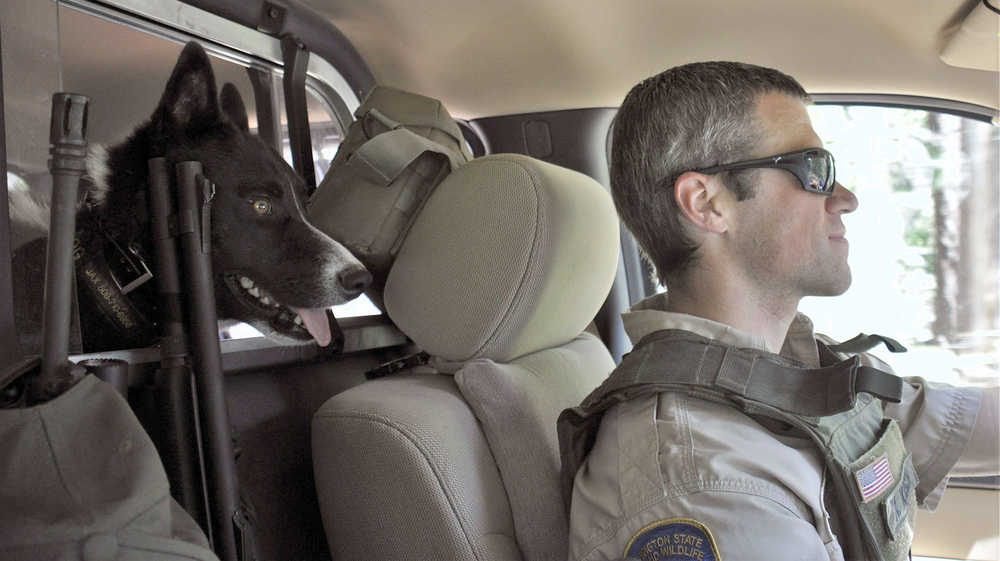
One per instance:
(874, 478)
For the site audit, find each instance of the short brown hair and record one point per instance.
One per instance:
(688, 117)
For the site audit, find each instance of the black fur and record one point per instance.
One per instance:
(259, 230)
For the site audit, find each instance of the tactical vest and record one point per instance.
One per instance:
(872, 475)
(394, 155)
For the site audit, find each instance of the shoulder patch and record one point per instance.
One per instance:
(673, 539)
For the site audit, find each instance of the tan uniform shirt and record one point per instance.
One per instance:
(715, 482)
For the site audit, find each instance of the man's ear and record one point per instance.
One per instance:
(189, 100)
(702, 201)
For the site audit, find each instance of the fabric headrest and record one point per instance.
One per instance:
(509, 255)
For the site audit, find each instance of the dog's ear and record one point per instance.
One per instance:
(189, 100)
(233, 108)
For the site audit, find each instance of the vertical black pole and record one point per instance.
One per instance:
(10, 349)
(68, 136)
(179, 448)
(296, 60)
(194, 198)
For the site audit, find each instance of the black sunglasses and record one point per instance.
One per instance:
(813, 167)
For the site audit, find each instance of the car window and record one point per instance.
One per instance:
(924, 240)
(49, 47)
(30, 36)
(326, 133)
(924, 248)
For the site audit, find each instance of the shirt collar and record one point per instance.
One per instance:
(651, 315)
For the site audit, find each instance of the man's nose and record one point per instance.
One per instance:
(842, 200)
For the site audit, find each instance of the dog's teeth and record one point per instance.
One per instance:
(246, 283)
(255, 292)
(266, 301)
(298, 321)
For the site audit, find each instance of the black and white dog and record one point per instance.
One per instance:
(273, 269)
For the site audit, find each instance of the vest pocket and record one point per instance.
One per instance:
(885, 492)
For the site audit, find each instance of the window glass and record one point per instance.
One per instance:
(123, 71)
(324, 130)
(924, 240)
(32, 72)
(326, 134)
(48, 48)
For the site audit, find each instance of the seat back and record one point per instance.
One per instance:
(505, 266)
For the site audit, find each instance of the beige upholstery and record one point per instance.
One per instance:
(510, 255)
(516, 404)
(399, 478)
(506, 265)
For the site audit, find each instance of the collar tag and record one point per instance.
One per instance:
(128, 269)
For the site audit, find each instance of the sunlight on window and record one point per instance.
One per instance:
(986, 548)
(924, 241)
(360, 306)
(240, 331)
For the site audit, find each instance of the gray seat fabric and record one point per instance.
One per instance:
(81, 480)
(403, 472)
(505, 266)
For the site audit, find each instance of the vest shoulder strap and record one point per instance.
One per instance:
(680, 360)
(677, 360)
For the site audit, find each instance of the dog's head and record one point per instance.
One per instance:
(272, 268)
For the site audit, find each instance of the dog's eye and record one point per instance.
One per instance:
(261, 206)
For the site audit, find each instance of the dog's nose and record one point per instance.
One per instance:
(355, 279)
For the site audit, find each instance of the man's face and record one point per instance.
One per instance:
(788, 239)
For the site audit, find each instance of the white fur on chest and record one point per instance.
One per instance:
(29, 204)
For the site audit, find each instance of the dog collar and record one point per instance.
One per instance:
(108, 272)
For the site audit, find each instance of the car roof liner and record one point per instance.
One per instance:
(292, 18)
(974, 42)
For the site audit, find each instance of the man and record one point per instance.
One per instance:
(710, 445)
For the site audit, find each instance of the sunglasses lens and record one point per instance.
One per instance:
(819, 172)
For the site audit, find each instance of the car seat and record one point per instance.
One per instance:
(506, 264)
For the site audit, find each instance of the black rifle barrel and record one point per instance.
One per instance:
(179, 446)
(167, 268)
(195, 194)
(68, 138)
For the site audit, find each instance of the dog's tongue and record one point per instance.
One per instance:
(316, 323)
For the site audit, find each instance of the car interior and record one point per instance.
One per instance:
(427, 431)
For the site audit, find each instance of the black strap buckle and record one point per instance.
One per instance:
(128, 269)
(402, 363)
